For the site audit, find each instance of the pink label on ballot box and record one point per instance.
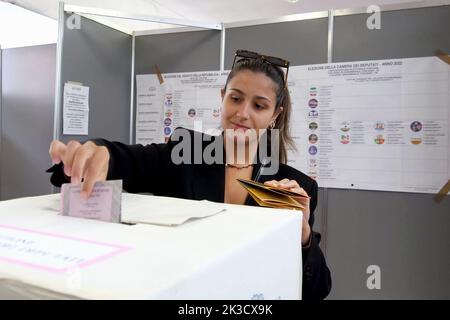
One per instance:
(52, 252)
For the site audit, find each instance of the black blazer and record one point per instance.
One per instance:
(150, 169)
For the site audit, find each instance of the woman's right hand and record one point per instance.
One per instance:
(87, 163)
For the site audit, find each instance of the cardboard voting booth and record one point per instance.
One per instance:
(240, 252)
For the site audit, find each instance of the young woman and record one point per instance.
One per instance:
(255, 99)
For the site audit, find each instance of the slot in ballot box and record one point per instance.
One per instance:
(241, 253)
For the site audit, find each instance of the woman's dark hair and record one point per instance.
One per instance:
(283, 98)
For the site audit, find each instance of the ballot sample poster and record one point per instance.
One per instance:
(75, 109)
(191, 100)
(374, 125)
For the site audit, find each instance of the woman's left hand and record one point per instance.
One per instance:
(293, 186)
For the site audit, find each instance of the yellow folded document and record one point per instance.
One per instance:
(273, 197)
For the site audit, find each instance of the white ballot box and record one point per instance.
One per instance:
(242, 252)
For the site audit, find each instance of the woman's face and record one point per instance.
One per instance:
(249, 102)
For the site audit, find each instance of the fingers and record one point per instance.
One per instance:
(96, 170)
(80, 158)
(287, 184)
(57, 151)
(88, 161)
(272, 183)
(72, 147)
(293, 186)
(279, 183)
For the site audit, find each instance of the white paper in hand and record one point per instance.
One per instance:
(138, 208)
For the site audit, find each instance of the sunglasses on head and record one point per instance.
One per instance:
(274, 61)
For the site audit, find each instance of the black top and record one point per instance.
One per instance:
(150, 169)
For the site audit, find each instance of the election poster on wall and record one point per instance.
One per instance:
(373, 125)
(182, 100)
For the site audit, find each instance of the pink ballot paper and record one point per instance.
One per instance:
(103, 204)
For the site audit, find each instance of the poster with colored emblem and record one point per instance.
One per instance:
(374, 125)
(191, 100)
